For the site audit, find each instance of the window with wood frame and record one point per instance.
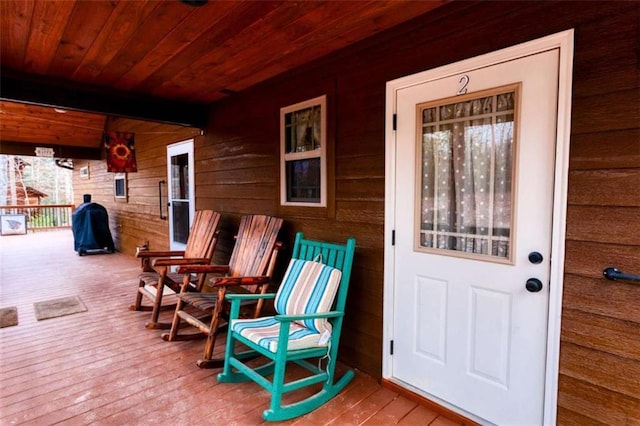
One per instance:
(303, 159)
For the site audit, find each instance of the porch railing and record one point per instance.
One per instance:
(42, 217)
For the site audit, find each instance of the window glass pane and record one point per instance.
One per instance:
(303, 180)
(302, 130)
(119, 185)
(180, 210)
(466, 175)
(180, 176)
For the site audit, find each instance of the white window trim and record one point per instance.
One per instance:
(317, 153)
(120, 177)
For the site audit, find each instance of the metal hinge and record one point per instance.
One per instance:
(395, 121)
(391, 347)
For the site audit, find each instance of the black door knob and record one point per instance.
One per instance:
(535, 257)
(534, 285)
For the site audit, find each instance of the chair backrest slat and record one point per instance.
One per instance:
(255, 242)
(201, 241)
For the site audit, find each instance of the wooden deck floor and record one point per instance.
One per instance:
(103, 367)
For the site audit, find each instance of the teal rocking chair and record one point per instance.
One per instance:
(310, 306)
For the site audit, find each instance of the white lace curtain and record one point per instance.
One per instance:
(467, 150)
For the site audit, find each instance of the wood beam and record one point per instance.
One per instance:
(60, 94)
(60, 151)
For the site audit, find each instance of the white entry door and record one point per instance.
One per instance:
(181, 192)
(473, 225)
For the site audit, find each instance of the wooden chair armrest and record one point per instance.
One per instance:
(199, 269)
(147, 253)
(233, 281)
(243, 297)
(302, 317)
(169, 261)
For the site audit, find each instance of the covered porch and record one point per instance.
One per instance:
(103, 367)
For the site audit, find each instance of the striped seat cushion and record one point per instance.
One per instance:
(264, 332)
(307, 288)
(202, 301)
(207, 301)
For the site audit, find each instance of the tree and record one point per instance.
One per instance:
(17, 173)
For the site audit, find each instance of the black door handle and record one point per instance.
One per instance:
(160, 183)
(614, 274)
(535, 257)
(534, 285)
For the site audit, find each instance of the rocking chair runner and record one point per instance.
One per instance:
(156, 267)
(249, 271)
(308, 325)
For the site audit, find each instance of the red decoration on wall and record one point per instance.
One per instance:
(121, 154)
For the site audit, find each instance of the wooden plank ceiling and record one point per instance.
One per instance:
(159, 60)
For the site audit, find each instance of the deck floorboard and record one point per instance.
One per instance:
(104, 367)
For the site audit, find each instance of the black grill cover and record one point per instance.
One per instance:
(90, 224)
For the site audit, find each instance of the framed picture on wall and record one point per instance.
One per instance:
(13, 224)
(84, 172)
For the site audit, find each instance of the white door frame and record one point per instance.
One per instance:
(184, 147)
(564, 42)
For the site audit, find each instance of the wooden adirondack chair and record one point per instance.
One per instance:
(310, 305)
(249, 271)
(156, 268)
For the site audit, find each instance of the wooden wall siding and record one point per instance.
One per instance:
(135, 219)
(237, 172)
(600, 343)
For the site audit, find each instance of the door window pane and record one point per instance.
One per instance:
(465, 175)
(180, 176)
(180, 216)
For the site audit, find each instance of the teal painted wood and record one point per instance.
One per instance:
(339, 256)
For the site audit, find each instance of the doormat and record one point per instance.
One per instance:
(8, 317)
(58, 307)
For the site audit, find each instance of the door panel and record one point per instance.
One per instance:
(474, 196)
(431, 316)
(489, 337)
(180, 174)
